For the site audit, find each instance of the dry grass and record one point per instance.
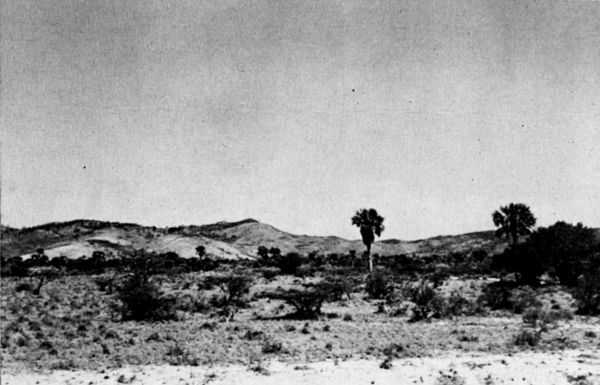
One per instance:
(71, 325)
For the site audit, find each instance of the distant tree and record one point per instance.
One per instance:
(370, 224)
(352, 256)
(59, 262)
(263, 252)
(98, 260)
(275, 252)
(39, 258)
(200, 251)
(513, 221)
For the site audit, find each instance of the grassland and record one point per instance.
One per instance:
(73, 325)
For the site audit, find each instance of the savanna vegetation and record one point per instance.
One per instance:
(160, 308)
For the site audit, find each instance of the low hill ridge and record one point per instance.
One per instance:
(228, 240)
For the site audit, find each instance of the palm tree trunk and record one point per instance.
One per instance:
(370, 258)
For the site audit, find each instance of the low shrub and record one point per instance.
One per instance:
(142, 300)
(522, 299)
(190, 304)
(457, 305)
(289, 263)
(587, 293)
(428, 303)
(105, 284)
(271, 346)
(528, 337)
(307, 302)
(24, 286)
(537, 317)
(235, 288)
(269, 273)
(378, 285)
(497, 296)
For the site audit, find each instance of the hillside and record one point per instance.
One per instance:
(228, 240)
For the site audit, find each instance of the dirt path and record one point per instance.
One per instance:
(567, 367)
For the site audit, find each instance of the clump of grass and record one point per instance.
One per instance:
(378, 285)
(271, 346)
(386, 364)
(24, 286)
(451, 378)
(528, 337)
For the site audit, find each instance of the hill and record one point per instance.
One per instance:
(227, 240)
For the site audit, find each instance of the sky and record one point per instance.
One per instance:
(299, 113)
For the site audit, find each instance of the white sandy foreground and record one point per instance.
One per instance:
(565, 367)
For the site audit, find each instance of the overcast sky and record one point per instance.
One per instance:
(299, 113)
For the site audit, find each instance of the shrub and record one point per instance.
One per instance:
(105, 284)
(234, 286)
(429, 304)
(378, 285)
(289, 263)
(496, 296)
(528, 337)
(191, 304)
(269, 273)
(307, 302)
(536, 317)
(522, 299)
(270, 347)
(587, 293)
(457, 305)
(24, 286)
(141, 300)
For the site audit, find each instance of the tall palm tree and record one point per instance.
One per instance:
(370, 224)
(513, 220)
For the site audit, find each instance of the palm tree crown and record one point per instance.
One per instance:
(370, 224)
(513, 220)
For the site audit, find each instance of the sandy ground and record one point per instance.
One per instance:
(566, 367)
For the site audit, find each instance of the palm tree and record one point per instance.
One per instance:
(370, 224)
(513, 220)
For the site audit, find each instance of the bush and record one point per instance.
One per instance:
(536, 317)
(587, 293)
(269, 273)
(270, 347)
(497, 296)
(429, 304)
(307, 302)
(234, 286)
(528, 337)
(141, 300)
(378, 285)
(289, 263)
(337, 287)
(457, 305)
(105, 284)
(24, 286)
(522, 299)
(191, 304)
